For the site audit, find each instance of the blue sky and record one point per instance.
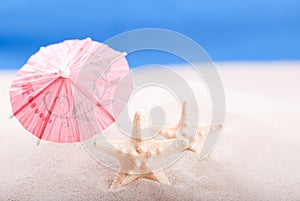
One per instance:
(228, 30)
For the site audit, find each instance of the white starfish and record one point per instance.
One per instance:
(140, 158)
(185, 129)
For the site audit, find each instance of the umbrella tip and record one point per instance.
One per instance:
(11, 116)
(124, 53)
(38, 142)
(64, 72)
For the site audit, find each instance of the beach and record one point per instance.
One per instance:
(257, 157)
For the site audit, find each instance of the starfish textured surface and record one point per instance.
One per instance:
(185, 129)
(140, 158)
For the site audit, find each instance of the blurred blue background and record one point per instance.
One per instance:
(232, 30)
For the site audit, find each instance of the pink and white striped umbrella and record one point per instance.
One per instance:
(62, 87)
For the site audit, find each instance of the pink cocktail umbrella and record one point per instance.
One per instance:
(64, 86)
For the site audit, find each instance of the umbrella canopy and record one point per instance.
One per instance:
(63, 87)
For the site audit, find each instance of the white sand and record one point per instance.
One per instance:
(258, 157)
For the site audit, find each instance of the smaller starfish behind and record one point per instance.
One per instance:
(186, 130)
(140, 158)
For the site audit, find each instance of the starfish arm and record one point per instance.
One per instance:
(162, 131)
(199, 133)
(207, 128)
(159, 177)
(197, 146)
(199, 139)
(159, 143)
(169, 133)
(173, 147)
(107, 148)
(121, 145)
(192, 149)
(172, 132)
(122, 179)
(136, 129)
